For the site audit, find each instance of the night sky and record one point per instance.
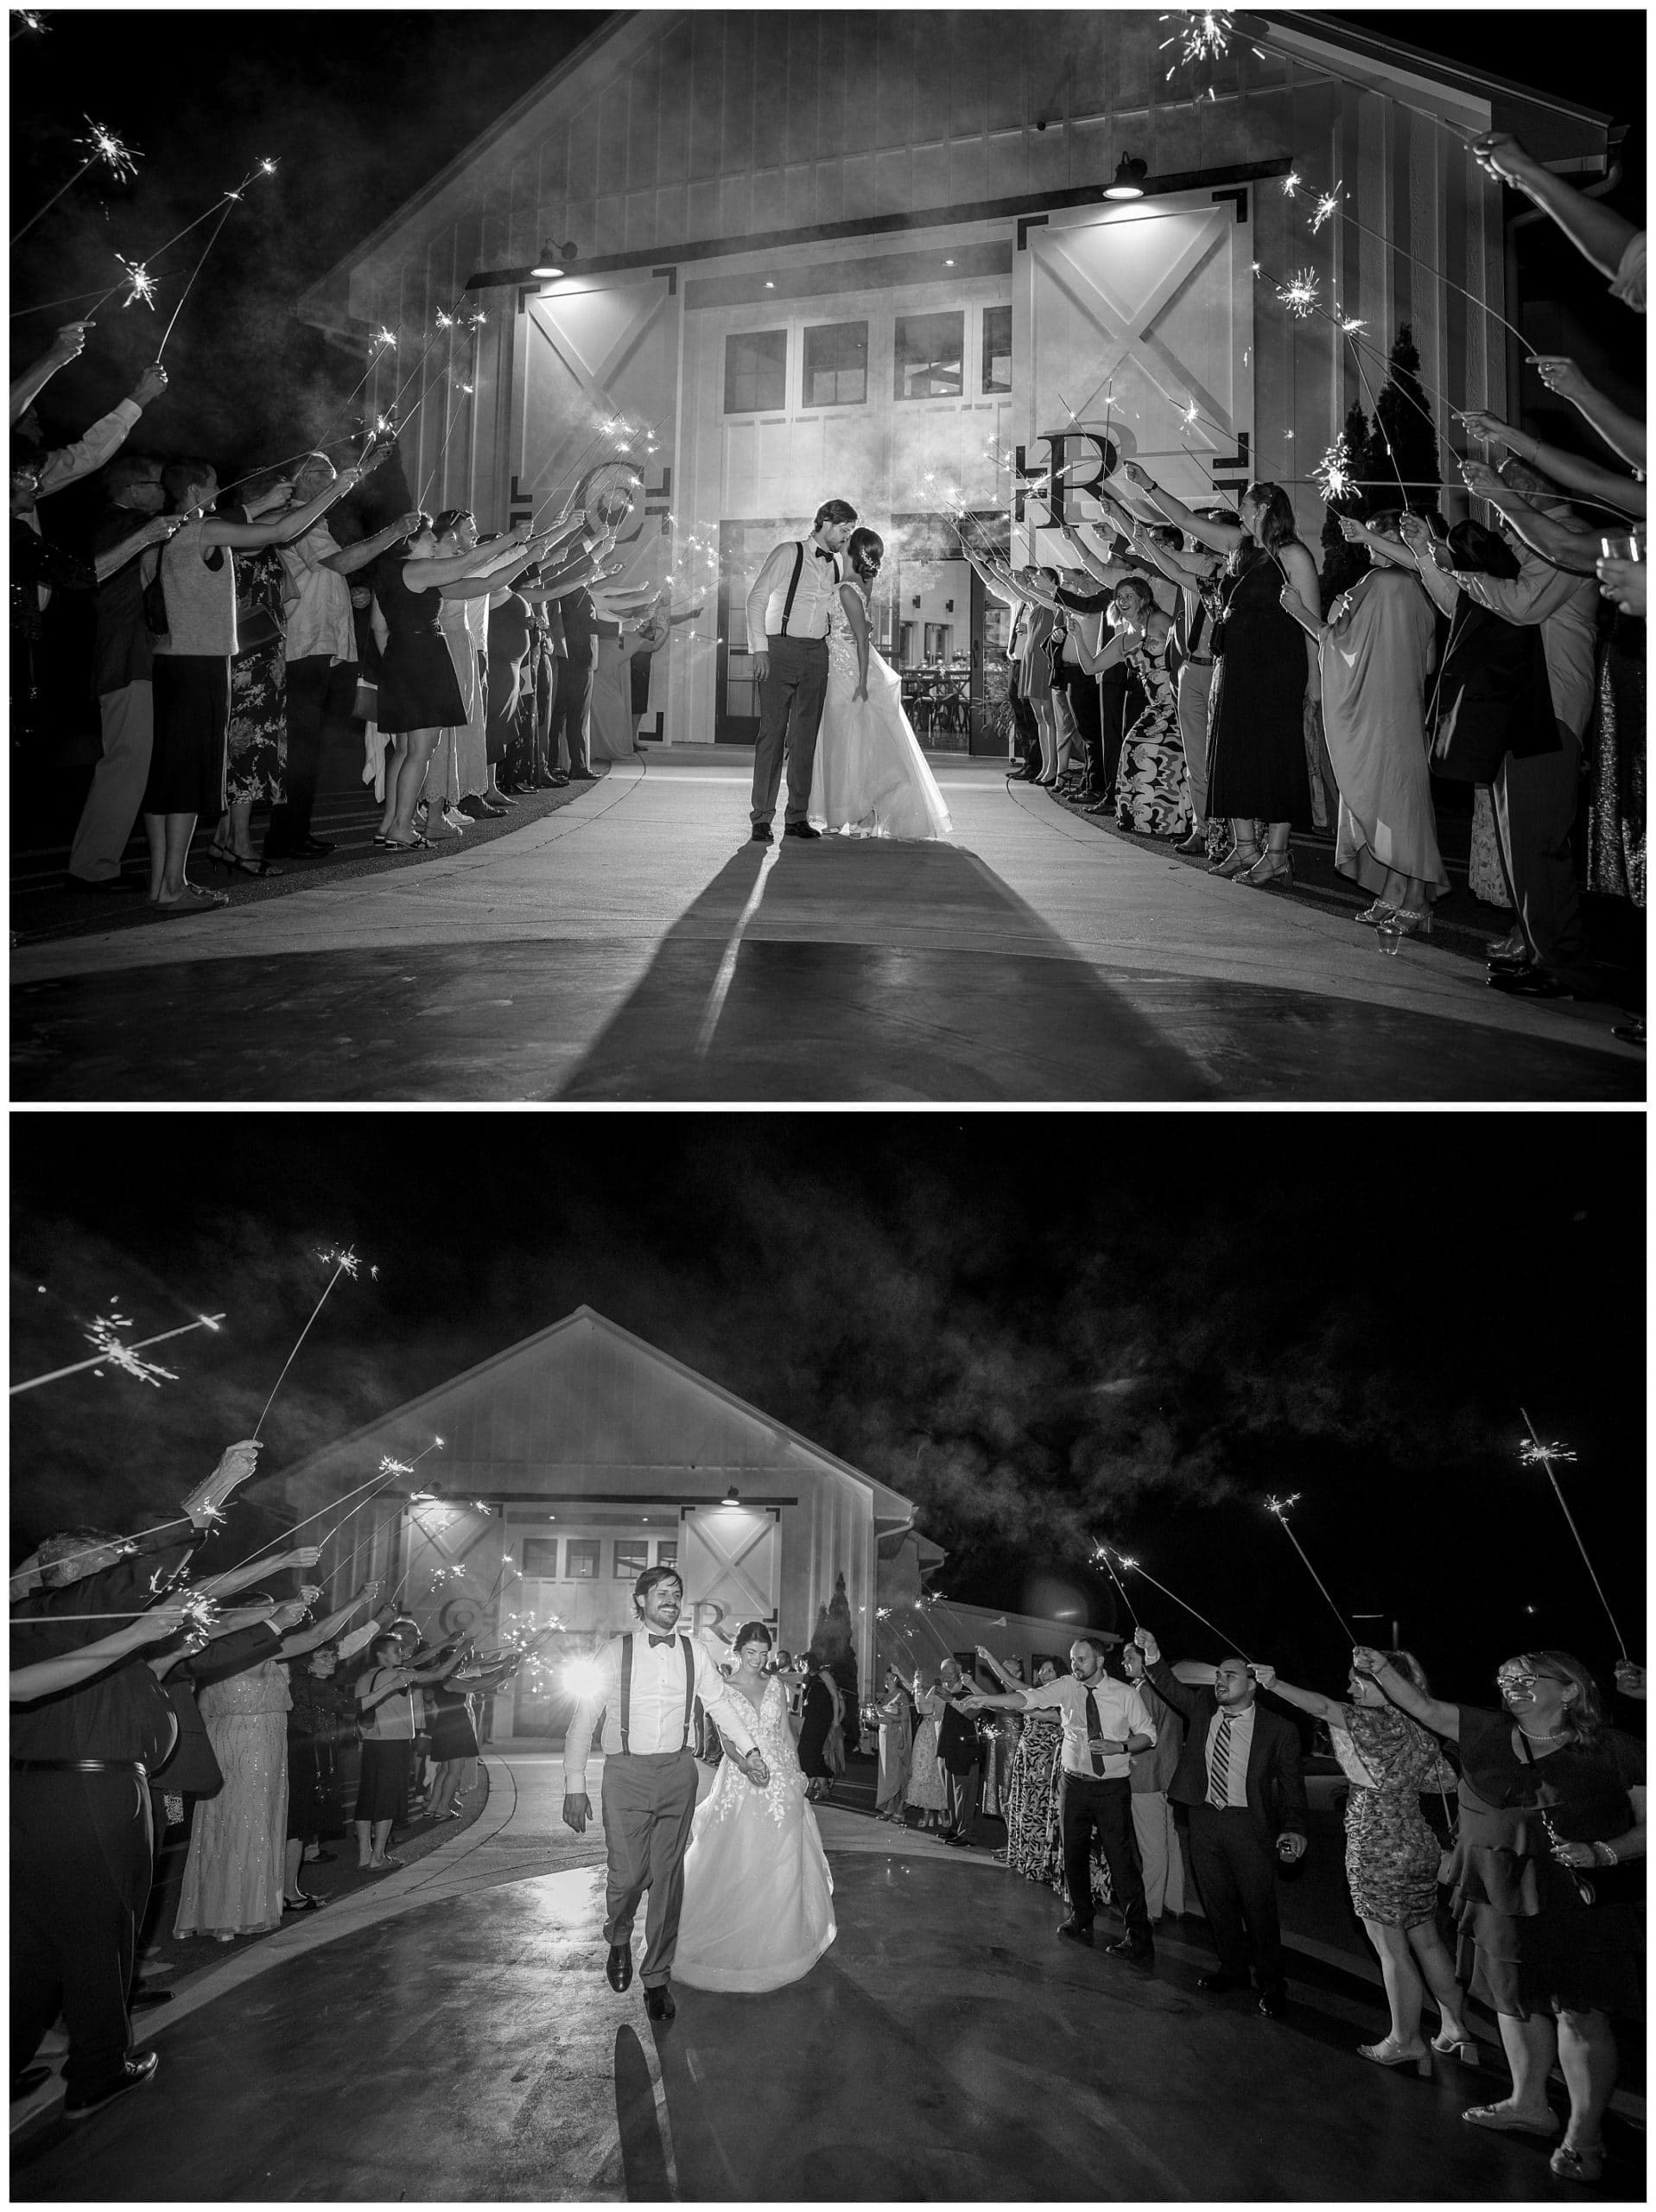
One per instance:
(1042, 1329)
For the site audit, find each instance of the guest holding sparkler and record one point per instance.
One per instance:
(1614, 245)
(895, 1716)
(388, 1698)
(192, 668)
(1374, 653)
(1548, 1881)
(1392, 1856)
(62, 465)
(927, 1790)
(1032, 1846)
(255, 746)
(82, 1845)
(1265, 672)
(1194, 571)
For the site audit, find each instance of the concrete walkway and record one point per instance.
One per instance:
(632, 945)
(450, 2036)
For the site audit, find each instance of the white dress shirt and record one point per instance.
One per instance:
(655, 1721)
(1122, 1712)
(813, 601)
(1241, 1747)
(68, 464)
(1565, 607)
(320, 621)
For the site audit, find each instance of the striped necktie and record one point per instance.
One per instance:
(1219, 1764)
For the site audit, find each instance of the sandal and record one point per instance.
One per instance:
(417, 843)
(1507, 2122)
(303, 1903)
(190, 900)
(1579, 2162)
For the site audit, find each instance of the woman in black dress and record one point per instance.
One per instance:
(1549, 1885)
(1264, 667)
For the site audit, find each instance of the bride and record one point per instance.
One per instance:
(758, 1909)
(870, 775)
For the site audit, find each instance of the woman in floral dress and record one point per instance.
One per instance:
(1032, 1846)
(256, 754)
(928, 1789)
(1150, 794)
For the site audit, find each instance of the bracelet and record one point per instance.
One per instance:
(1611, 1858)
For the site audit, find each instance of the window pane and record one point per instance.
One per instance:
(997, 349)
(836, 365)
(631, 1559)
(930, 350)
(756, 371)
(541, 1558)
(667, 1552)
(582, 1554)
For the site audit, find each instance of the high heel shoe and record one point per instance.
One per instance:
(1269, 867)
(1371, 917)
(1239, 858)
(1412, 921)
(1454, 2046)
(1390, 2052)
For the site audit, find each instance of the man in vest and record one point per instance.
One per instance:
(788, 612)
(649, 1679)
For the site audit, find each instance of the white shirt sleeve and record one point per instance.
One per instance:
(579, 1739)
(764, 584)
(720, 1703)
(1138, 1720)
(350, 1645)
(86, 455)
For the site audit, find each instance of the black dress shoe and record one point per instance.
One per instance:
(1075, 1932)
(1273, 2001)
(762, 835)
(313, 848)
(620, 1968)
(135, 2072)
(1531, 982)
(557, 781)
(1511, 961)
(659, 2003)
(1139, 1948)
(1216, 1984)
(145, 2000)
(582, 776)
(801, 830)
(474, 806)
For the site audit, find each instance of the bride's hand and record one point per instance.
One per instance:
(861, 691)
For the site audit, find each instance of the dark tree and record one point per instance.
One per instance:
(832, 1647)
(1343, 563)
(1404, 440)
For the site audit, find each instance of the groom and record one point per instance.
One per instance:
(647, 1688)
(788, 612)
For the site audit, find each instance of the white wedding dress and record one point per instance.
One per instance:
(759, 1898)
(870, 775)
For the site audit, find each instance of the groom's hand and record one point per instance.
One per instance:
(757, 1773)
(760, 665)
(577, 1811)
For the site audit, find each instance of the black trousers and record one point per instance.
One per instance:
(1029, 735)
(791, 712)
(320, 695)
(1120, 702)
(575, 692)
(1235, 1867)
(1104, 1807)
(82, 1855)
(1083, 699)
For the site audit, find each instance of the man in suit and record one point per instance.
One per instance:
(959, 1757)
(1239, 1774)
(646, 1688)
(790, 609)
(1153, 1828)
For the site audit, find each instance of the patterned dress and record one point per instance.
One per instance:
(258, 759)
(234, 1874)
(928, 1789)
(1391, 1854)
(1032, 1846)
(1150, 787)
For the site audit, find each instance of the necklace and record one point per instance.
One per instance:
(1546, 1736)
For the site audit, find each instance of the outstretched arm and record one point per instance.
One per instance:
(1431, 1712)
(1596, 231)
(1223, 537)
(1623, 432)
(1570, 469)
(1326, 1708)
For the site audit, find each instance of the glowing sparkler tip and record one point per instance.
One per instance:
(267, 169)
(390, 1466)
(445, 320)
(1279, 1505)
(103, 1338)
(1328, 206)
(1299, 295)
(342, 1258)
(1291, 183)
(143, 283)
(1534, 1455)
(102, 145)
(1350, 322)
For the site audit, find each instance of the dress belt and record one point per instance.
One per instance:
(1198, 660)
(81, 1766)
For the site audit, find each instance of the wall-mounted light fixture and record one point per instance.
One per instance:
(1129, 184)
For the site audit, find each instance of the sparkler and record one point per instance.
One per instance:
(1291, 183)
(1278, 1507)
(25, 20)
(1135, 1567)
(1100, 1553)
(101, 145)
(230, 199)
(1299, 295)
(343, 1262)
(116, 1352)
(1332, 474)
(1534, 1453)
(1328, 206)
(142, 282)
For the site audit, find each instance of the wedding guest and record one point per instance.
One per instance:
(62, 465)
(1104, 1722)
(1155, 1830)
(192, 670)
(121, 665)
(1150, 782)
(388, 1698)
(320, 1718)
(896, 1718)
(822, 1720)
(464, 756)
(1265, 674)
(255, 743)
(1392, 1856)
(1614, 245)
(959, 1756)
(1194, 571)
(927, 1785)
(999, 1734)
(322, 650)
(1547, 1872)
(452, 1706)
(1239, 1775)
(1374, 653)
(1032, 1846)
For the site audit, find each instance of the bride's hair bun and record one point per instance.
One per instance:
(866, 549)
(751, 1632)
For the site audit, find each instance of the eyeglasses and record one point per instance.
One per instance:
(1520, 1678)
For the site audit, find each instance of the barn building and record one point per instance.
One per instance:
(812, 253)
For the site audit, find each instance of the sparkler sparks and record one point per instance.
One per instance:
(267, 168)
(382, 337)
(1533, 1453)
(1279, 1505)
(1328, 206)
(1299, 295)
(1291, 183)
(445, 320)
(103, 1338)
(142, 282)
(1350, 323)
(1333, 473)
(26, 19)
(104, 146)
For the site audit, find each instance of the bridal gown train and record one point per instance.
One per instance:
(759, 1898)
(870, 773)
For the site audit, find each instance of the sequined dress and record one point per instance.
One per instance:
(1032, 1846)
(1150, 794)
(233, 1876)
(759, 1898)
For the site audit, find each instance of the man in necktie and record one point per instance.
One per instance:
(1239, 1774)
(647, 1682)
(789, 610)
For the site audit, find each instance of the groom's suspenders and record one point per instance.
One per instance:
(626, 1687)
(793, 585)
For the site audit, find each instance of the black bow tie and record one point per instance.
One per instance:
(820, 554)
(655, 1640)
